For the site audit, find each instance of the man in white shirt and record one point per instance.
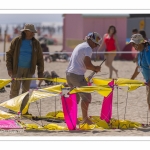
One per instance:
(80, 61)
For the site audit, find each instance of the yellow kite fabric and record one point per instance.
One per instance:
(54, 89)
(4, 82)
(14, 103)
(101, 82)
(131, 84)
(4, 115)
(123, 124)
(60, 80)
(56, 114)
(29, 78)
(104, 91)
(36, 95)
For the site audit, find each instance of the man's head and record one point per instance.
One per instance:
(29, 31)
(93, 39)
(137, 42)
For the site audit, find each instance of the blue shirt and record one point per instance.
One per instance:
(144, 63)
(25, 54)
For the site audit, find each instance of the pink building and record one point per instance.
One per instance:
(77, 26)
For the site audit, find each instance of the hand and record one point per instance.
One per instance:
(148, 84)
(10, 73)
(97, 69)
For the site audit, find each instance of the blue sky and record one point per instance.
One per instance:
(30, 18)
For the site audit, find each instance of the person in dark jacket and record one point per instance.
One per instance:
(23, 56)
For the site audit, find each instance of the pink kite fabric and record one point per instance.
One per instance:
(89, 83)
(106, 111)
(9, 124)
(69, 105)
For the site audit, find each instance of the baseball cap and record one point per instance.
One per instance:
(95, 37)
(137, 39)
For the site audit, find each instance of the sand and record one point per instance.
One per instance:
(133, 108)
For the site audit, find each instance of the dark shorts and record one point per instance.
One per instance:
(75, 80)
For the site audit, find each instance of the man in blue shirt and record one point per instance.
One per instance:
(22, 59)
(143, 66)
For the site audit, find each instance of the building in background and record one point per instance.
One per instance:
(77, 26)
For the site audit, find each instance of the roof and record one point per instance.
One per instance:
(106, 15)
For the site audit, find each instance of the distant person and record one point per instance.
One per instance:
(49, 75)
(143, 63)
(135, 31)
(110, 41)
(22, 58)
(46, 55)
(143, 33)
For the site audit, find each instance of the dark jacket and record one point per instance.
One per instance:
(12, 56)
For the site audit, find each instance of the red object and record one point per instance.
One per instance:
(110, 43)
(129, 56)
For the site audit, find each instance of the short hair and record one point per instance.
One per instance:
(135, 31)
(143, 33)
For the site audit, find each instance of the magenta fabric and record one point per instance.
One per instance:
(106, 110)
(9, 124)
(69, 105)
(89, 83)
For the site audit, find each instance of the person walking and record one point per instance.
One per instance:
(110, 41)
(80, 61)
(23, 56)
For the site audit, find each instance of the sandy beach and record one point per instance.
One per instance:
(132, 107)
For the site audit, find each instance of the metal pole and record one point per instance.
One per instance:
(4, 44)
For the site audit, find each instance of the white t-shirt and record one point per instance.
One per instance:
(76, 64)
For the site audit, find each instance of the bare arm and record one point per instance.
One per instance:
(90, 66)
(135, 73)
